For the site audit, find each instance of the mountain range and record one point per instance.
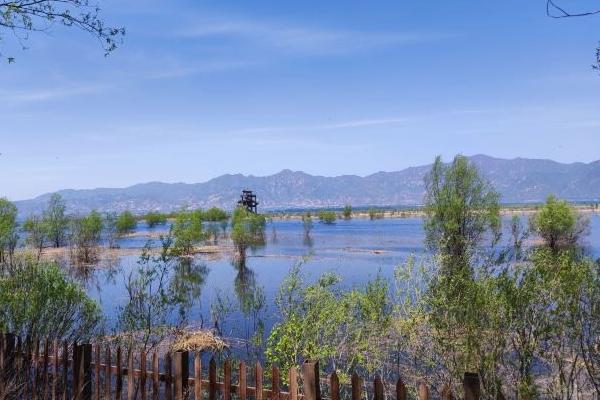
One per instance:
(518, 180)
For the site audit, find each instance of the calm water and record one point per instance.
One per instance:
(357, 250)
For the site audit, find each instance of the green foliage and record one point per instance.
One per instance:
(247, 230)
(86, 233)
(327, 217)
(214, 214)
(8, 229)
(461, 208)
(187, 232)
(347, 211)
(36, 230)
(161, 290)
(125, 223)
(558, 224)
(37, 299)
(56, 221)
(375, 213)
(307, 223)
(324, 322)
(155, 218)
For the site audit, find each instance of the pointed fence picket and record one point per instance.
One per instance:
(54, 370)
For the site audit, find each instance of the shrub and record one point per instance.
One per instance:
(155, 218)
(327, 217)
(125, 223)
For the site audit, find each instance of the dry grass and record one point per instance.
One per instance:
(200, 340)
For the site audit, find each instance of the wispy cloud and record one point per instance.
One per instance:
(302, 40)
(47, 94)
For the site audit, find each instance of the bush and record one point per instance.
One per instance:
(375, 213)
(347, 212)
(86, 233)
(155, 218)
(125, 223)
(187, 231)
(214, 214)
(327, 217)
(37, 299)
(247, 230)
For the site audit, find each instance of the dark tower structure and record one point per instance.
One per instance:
(248, 200)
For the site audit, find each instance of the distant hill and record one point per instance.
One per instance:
(518, 180)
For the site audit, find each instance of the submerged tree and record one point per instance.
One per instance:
(56, 221)
(558, 224)
(125, 223)
(247, 231)
(36, 233)
(187, 232)
(86, 233)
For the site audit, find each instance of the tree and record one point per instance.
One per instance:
(125, 223)
(214, 214)
(36, 230)
(86, 233)
(187, 231)
(558, 224)
(247, 230)
(110, 229)
(160, 291)
(55, 220)
(461, 208)
(347, 212)
(8, 230)
(155, 218)
(324, 322)
(327, 217)
(23, 17)
(39, 300)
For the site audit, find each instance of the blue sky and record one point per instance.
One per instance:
(200, 89)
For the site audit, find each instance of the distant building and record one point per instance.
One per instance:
(248, 200)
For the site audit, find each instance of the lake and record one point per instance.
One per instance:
(358, 250)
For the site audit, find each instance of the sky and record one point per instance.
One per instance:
(203, 88)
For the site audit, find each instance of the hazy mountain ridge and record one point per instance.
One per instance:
(518, 180)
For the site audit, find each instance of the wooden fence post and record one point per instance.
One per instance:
(310, 377)
(182, 373)
(400, 390)
(7, 357)
(471, 386)
(377, 388)
(334, 386)
(83, 371)
(356, 387)
(212, 379)
(423, 390)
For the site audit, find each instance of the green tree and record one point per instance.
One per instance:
(125, 223)
(347, 211)
(323, 321)
(461, 208)
(187, 231)
(375, 213)
(558, 224)
(327, 217)
(8, 230)
(56, 221)
(155, 218)
(36, 233)
(39, 300)
(86, 233)
(214, 214)
(247, 231)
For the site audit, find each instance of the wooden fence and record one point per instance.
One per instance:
(43, 370)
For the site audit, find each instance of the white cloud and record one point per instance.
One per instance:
(40, 95)
(301, 40)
